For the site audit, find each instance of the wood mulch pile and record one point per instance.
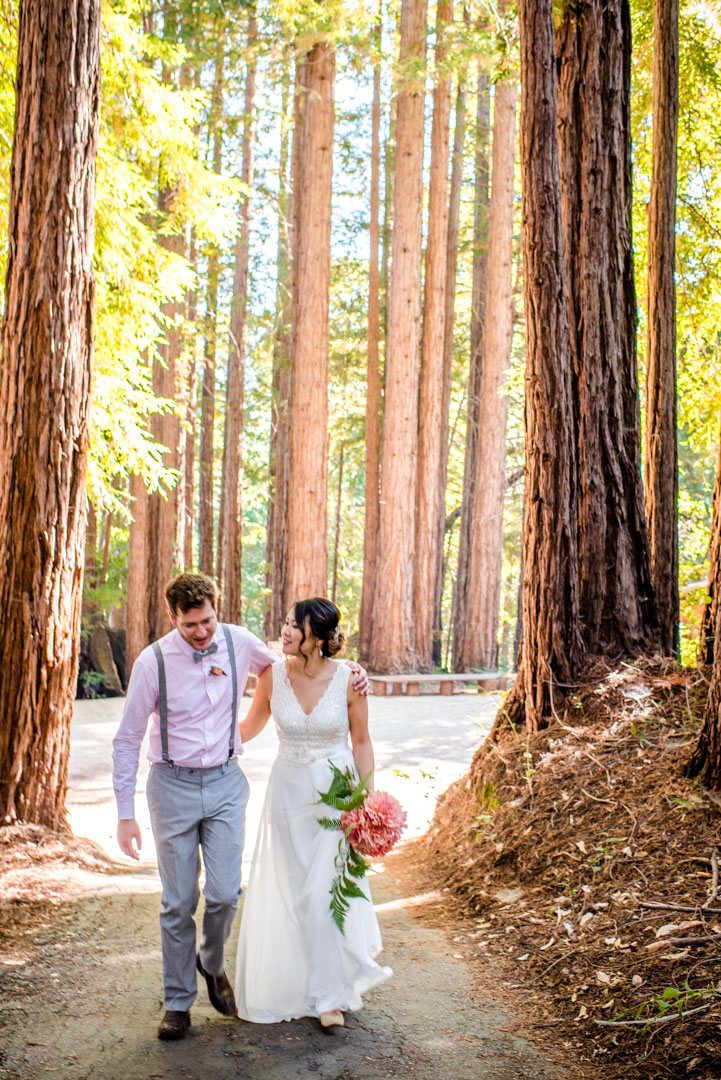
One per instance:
(553, 844)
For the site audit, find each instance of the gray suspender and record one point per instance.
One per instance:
(163, 696)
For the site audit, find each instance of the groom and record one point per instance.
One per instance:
(188, 684)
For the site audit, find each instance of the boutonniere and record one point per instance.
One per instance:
(217, 671)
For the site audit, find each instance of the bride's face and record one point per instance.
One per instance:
(292, 637)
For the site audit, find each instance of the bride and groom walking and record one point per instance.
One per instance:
(292, 960)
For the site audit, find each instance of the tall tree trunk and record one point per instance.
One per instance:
(478, 317)
(393, 645)
(373, 379)
(137, 630)
(338, 520)
(307, 510)
(275, 545)
(593, 47)
(661, 458)
(207, 400)
(47, 346)
(551, 640)
(479, 645)
(454, 206)
(231, 588)
(706, 759)
(430, 494)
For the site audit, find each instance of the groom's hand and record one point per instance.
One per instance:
(360, 679)
(129, 831)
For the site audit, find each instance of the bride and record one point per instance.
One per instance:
(292, 959)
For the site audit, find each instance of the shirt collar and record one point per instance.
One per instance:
(186, 649)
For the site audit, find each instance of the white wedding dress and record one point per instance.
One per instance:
(292, 959)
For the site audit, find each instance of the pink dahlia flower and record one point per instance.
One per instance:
(376, 825)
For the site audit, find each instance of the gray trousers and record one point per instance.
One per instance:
(190, 810)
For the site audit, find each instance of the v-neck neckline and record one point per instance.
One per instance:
(307, 715)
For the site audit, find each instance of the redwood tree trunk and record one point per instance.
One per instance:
(137, 634)
(594, 62)
(207, 398)
(393, 646)
(551, 640)
(478, 309)
(661, 458)
(430, 493)
(275, 544)
(307, 511)
(231, 583)
(47, 344)
(454, 206)
(478, 632)
(373, 381)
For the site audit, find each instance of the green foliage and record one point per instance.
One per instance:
(345, 793)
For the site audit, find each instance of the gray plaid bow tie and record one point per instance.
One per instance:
(200, 653)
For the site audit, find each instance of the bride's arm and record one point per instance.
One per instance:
(259, 711)
(359, 734)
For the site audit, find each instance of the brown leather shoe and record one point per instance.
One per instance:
(174, 1024)
(220, 991)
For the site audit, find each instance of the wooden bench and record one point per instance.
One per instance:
(413, 684)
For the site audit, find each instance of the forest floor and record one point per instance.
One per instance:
(80, 990)
(584, 868)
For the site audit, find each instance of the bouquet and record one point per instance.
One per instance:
(371, 823)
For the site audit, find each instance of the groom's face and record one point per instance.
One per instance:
(196, 625)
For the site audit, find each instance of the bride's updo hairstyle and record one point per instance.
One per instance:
(323, 619)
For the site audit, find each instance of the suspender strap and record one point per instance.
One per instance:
(162, 702)
(234, 677)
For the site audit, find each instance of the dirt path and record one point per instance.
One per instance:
(80, 997)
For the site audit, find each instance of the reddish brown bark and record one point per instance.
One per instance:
(478, 633)
(373, 382)
(478, 309)
(430, 492)
(454, 205)
(615, 593)
(551, 640)
(661, 458)
(137, 631)
(307, 512)
(207, 400)
(47, 346)
(231, 581)
(393, 646)
(275, 544)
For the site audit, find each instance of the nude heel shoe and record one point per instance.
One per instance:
(332, 1019)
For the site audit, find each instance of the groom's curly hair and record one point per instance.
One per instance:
(186, 591)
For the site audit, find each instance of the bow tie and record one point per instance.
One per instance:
(198, 654)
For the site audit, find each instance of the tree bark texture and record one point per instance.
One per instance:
(393, 645)
(479, 632)
(661, 458)
(478, 310)
(430, 491)
(231, 583)
(47, 345)
(593, 47)
(373, 382)
(454, 206)
(278, 465)
(207, 398)
(551, 639)
(137, 631)
(307, 509)
(709, 616)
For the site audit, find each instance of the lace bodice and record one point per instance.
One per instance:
(305, 738)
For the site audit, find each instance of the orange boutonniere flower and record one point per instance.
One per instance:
(217, 671)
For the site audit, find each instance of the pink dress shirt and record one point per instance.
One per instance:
(199, 705)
